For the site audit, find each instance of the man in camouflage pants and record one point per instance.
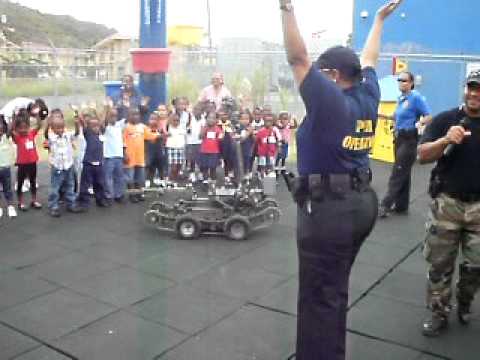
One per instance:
(453, 140)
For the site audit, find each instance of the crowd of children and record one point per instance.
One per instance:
(106, 154)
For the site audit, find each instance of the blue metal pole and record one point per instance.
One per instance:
(153, 34)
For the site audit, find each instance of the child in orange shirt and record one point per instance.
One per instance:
(134, 137)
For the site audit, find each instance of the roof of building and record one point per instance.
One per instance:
(111, 38)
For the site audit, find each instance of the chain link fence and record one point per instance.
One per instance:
(65, 76)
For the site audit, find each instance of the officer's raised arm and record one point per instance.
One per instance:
(297, 54)
(371, 50)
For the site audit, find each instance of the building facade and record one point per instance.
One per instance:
(435, 38)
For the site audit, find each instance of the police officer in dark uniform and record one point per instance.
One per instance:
(337, 208)
(453, 140)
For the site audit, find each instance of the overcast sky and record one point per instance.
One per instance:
(230, 18)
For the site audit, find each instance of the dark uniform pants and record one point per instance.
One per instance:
(399, 184)
(329, 238)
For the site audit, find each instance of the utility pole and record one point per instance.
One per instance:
(209, 17)
(57, 68)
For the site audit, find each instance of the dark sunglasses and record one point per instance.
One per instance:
(402, 80)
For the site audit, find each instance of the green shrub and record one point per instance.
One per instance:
(12, 88)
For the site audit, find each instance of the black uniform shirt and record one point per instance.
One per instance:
(460, 171)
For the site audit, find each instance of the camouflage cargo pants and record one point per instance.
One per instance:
(453, 225)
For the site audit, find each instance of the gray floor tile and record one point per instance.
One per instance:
(364, 276)
(363, 348)
(12, 232)
(251, 333)
(55, 314)
(401, 323)
(402, 231)
(405, 287)
(42, 353)
(279, 256)
(428, 357)
(13, 343)
(177, 264)
(18, 287)
(121, 287)
(187, 309)
(71, 267)
(30, 252)
(380, 255)
(283, 297)
(359, 347)
(222, 248)
(120, 336)
(388, 319)
(126, 251)
(237, 280)
(74, 237)
(415, 264)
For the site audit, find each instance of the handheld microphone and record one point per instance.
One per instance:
(450, 147)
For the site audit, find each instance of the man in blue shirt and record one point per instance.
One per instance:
(337, 208)
(411, 115)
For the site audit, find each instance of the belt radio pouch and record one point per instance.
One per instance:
(316, 187)
(340, 184)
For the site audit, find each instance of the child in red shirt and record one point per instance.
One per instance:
(267, 141)
(212, 136)
(27, 156)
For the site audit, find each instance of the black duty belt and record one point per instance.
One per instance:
(465, 197)
(319, 187)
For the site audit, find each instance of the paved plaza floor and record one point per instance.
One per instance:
(104, 286)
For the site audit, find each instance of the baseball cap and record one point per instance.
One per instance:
(473, 77)
(343, 59)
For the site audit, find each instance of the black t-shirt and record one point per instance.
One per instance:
(460, 171)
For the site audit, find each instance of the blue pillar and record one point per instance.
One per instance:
(153, 34)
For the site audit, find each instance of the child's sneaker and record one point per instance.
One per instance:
(36, 205)
(22, 207)
(147, 184)
(1, 213)
(55, 213)
(11, 212)
(192, 177)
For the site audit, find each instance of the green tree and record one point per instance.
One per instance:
(285, 96)
(181, 85)
(260, 85)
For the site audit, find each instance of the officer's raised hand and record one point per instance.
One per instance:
(385, 11)
(371, 50)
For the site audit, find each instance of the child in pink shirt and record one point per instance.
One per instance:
(285, 126)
